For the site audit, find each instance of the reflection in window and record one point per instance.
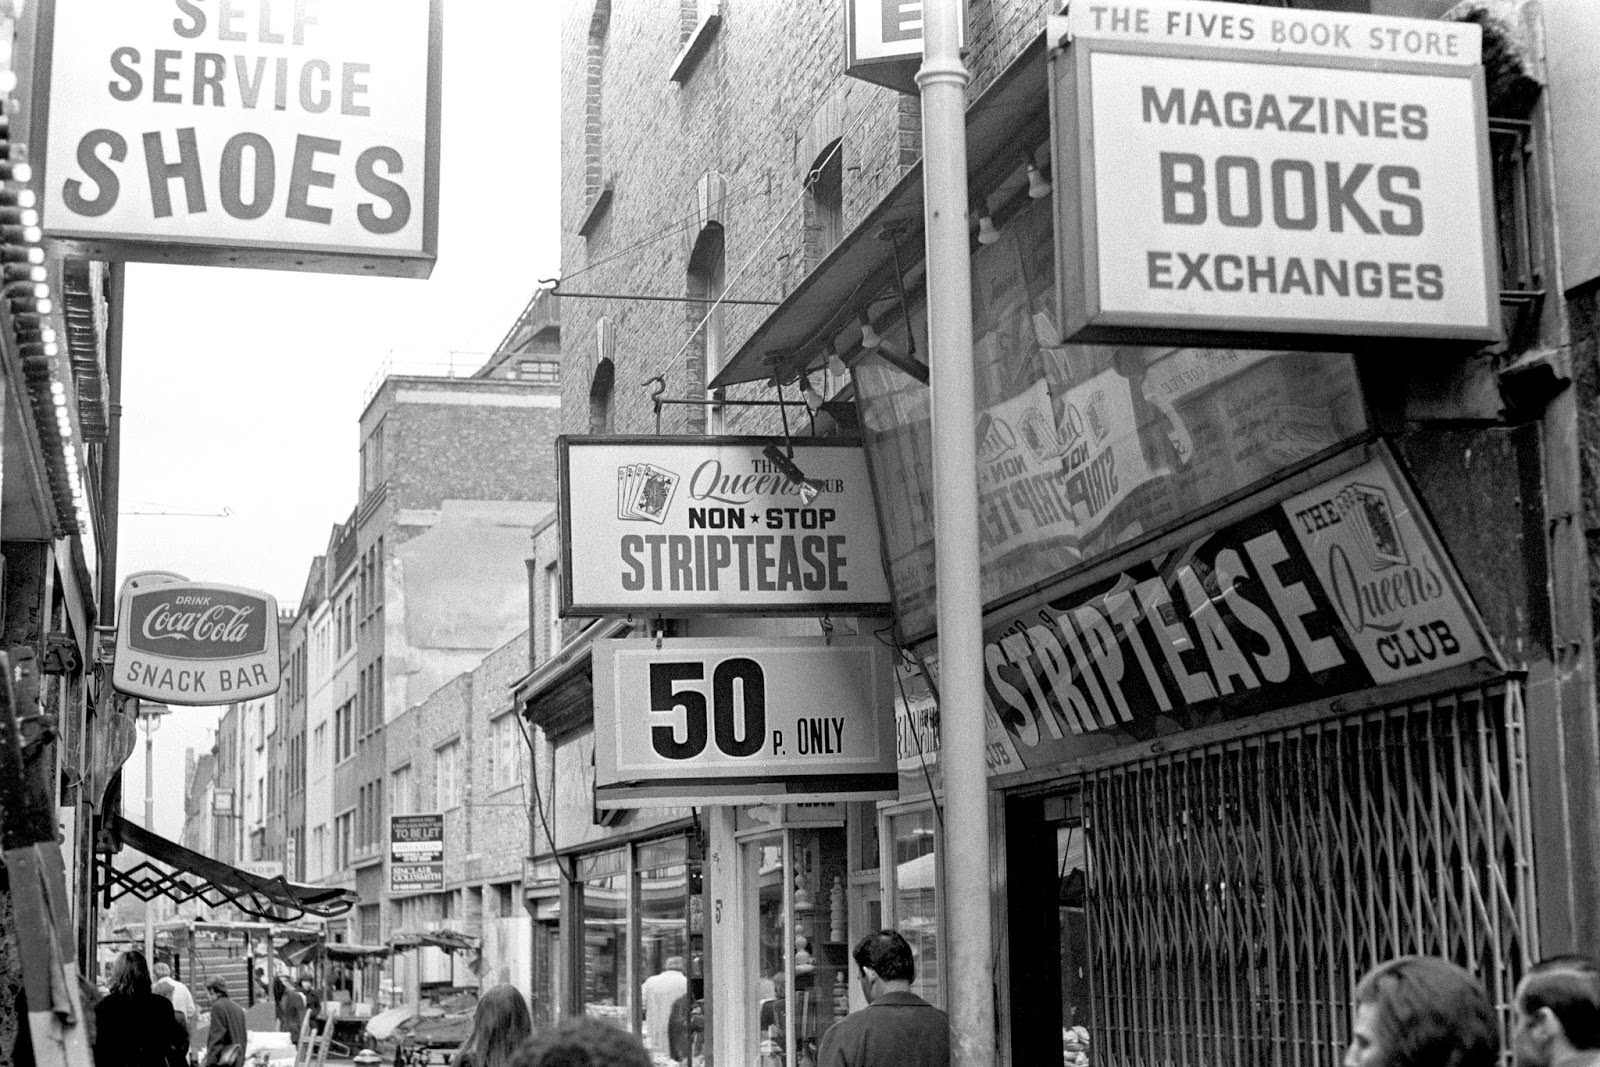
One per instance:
(605, 916)
(663, 958)
(913, 896)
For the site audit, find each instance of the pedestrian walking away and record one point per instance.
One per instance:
(897, 1028)
(227, 1031)
(500, 1025)
(1422, 1011)
(1557, 1021)
(135, 1026)
(183, 1005)
(657, 996)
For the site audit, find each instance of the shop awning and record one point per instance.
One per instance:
(174, 872)
(344, 950)
(558, 696)
(448, 940)
(1007, 121)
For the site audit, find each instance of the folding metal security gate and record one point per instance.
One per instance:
(1236, 891)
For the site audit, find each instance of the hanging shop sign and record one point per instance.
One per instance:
(751, 721)
(290, 136)
(716, 524)
(1334, 589)
(883, 41)
(1251, 176)
(194, 643)
(416, 853)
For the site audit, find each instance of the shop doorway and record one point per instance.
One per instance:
(1217, 904)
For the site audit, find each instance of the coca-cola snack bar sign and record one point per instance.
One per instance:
(196, 643)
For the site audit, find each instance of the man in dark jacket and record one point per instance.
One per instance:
(897, 1028)
(227, 1023)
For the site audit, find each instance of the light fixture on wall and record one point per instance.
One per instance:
(1038, 184)
(809, 394)
(869, 336)
(987, 234)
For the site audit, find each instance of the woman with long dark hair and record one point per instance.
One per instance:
(135, 1027)
(499, 1026)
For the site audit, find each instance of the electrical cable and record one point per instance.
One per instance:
(539, 806)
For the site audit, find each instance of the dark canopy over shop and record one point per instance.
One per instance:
(195, 877)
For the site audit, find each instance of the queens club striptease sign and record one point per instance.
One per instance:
(195, 643)
(715, 525)
(1250, 176)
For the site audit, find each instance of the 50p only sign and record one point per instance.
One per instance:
(780, 719)
(1253, 176)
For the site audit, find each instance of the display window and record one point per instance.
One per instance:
(914, 896)
(797, 933)
(606, 992)
(639, 949)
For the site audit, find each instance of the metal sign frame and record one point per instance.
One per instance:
(585, 536)
(1081, 230)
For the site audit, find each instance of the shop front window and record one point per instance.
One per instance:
(663, 946)
(914, 904)
(798, 949)
(606, 991)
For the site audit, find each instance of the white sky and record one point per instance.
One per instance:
(242, 389)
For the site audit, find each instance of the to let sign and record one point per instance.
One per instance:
(1250, 176)
(712, 524)
(256, 133)
(416, 853)
(196, 643)
(779, 719)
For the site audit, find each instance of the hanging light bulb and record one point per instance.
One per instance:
(1038, 184)
(809, 394)
(987, 234)
(836, 365)
(869, 336)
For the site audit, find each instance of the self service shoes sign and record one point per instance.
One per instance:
(1247, 175)
(777, 719)
(194, 643)
(717, 525)
(252, 133)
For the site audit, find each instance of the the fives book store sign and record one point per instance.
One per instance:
(1250, 175)
(300, 136)
(195, 643)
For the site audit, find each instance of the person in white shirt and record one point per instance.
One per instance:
(183, 1005)
(657, 995)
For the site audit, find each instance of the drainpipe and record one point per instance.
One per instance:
(943, 82)
(110, 503)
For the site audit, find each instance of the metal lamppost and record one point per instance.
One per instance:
(150, 718)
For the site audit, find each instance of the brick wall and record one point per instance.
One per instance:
(437, 450)
(746, 112)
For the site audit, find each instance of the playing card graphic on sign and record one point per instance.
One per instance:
(644, 492)
(1391, 588)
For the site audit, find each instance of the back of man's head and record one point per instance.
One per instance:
(217, 985)
(1570, 987)
(582, 1042)
(888, 954)
(163, 970)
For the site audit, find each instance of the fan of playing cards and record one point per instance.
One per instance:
(644, 492)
